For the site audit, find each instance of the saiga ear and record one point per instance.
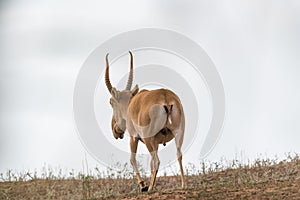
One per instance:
(114, 93)
(135, 90)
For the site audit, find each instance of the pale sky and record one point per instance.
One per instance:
(254, 45)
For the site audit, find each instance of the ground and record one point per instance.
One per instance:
(260, 180)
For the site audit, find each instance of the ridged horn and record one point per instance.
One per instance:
(130, 77)
(107, 81)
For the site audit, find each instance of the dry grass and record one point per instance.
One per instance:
(262, 179)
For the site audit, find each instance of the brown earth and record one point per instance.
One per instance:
(261, 181)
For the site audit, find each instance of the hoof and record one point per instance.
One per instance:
(144, 189)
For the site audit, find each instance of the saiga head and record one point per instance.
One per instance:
(119, 101)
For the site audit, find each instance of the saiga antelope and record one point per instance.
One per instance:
(151, 116)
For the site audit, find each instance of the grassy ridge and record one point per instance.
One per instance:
(263, 179)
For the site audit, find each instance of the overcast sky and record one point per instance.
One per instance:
(254, 45)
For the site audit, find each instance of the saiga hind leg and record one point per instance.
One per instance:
(152, 147)
(133, 149)
(178, 142)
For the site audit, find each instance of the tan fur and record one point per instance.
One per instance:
(140, 105)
